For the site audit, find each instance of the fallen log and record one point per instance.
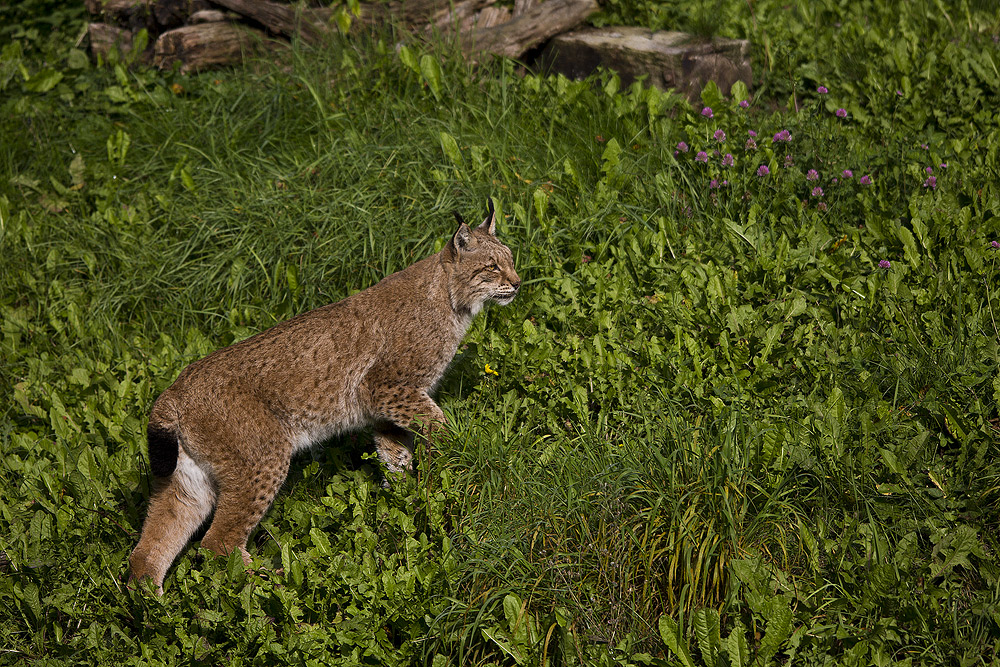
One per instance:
(670, 59)
(104, 37)
(532, 28)
(154, 15)
(287, 20)
(411, 14)
(205, 45)
(458, 17)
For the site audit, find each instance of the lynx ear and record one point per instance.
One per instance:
(462, 238)
(489, 225)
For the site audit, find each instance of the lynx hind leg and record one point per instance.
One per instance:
(178, 505)
(244, 498)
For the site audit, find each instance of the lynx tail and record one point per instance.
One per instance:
(162, 449)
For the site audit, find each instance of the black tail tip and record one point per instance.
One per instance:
(162, 450)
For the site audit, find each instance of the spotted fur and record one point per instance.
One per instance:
(222, 436)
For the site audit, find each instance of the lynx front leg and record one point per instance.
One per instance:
(406, 411)
(395, 447)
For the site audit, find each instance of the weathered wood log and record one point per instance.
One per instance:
(154, 15)
(103, 37)
(530, 29)
(521, 6)
(442, 14)
(131, 15)
(459, 17)
(670, 59)
(288, 20)
(209, 16)
(206, 45)
(170, 13)
(492, 16)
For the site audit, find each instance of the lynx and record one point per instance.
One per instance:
(223, 434)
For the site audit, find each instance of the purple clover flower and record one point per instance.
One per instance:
(841, 113)
(931, 182)
(866, 180)
(943, 165)
(788, 161)
(763, 170)
(812, 175)
(751, 145)
(899, 93)
(995, 245)
(784, 135)
(682, 147)
(822, 206)
(713, 184)
(719, 135)
(884, 264)
(817, 192)
(702, 156)
(727, 160)
(929, 170)
(847, 173)
(752, 133)
(822, 90)
(707, 112)
(744, 104)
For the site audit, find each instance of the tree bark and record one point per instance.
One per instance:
(286, 20)
(103, 37)
(206, 45)
(533, 27)
(669, 59)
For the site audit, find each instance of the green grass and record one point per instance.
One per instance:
(717, 430)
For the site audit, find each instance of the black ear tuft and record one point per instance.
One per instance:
(458, 217)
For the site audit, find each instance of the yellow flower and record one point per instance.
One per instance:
(490, 371)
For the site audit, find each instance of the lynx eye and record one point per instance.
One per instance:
(493, 267)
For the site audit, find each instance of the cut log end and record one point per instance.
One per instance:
(205, 45)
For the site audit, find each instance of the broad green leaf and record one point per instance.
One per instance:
(76, 171)
(738, 91)
(450, 148)
(711, 96)
(777, 631)
(674, 640)
(540, 199)
(498, 638)
(187, 180)
(320, 540)
(430, 69)
(43, 80)
(959, 545)
(736, 646)
(910, 251)
(707, 629)
(512, 610)
(611, 156)
(407, 58)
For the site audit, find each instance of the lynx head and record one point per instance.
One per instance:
(482, 268)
